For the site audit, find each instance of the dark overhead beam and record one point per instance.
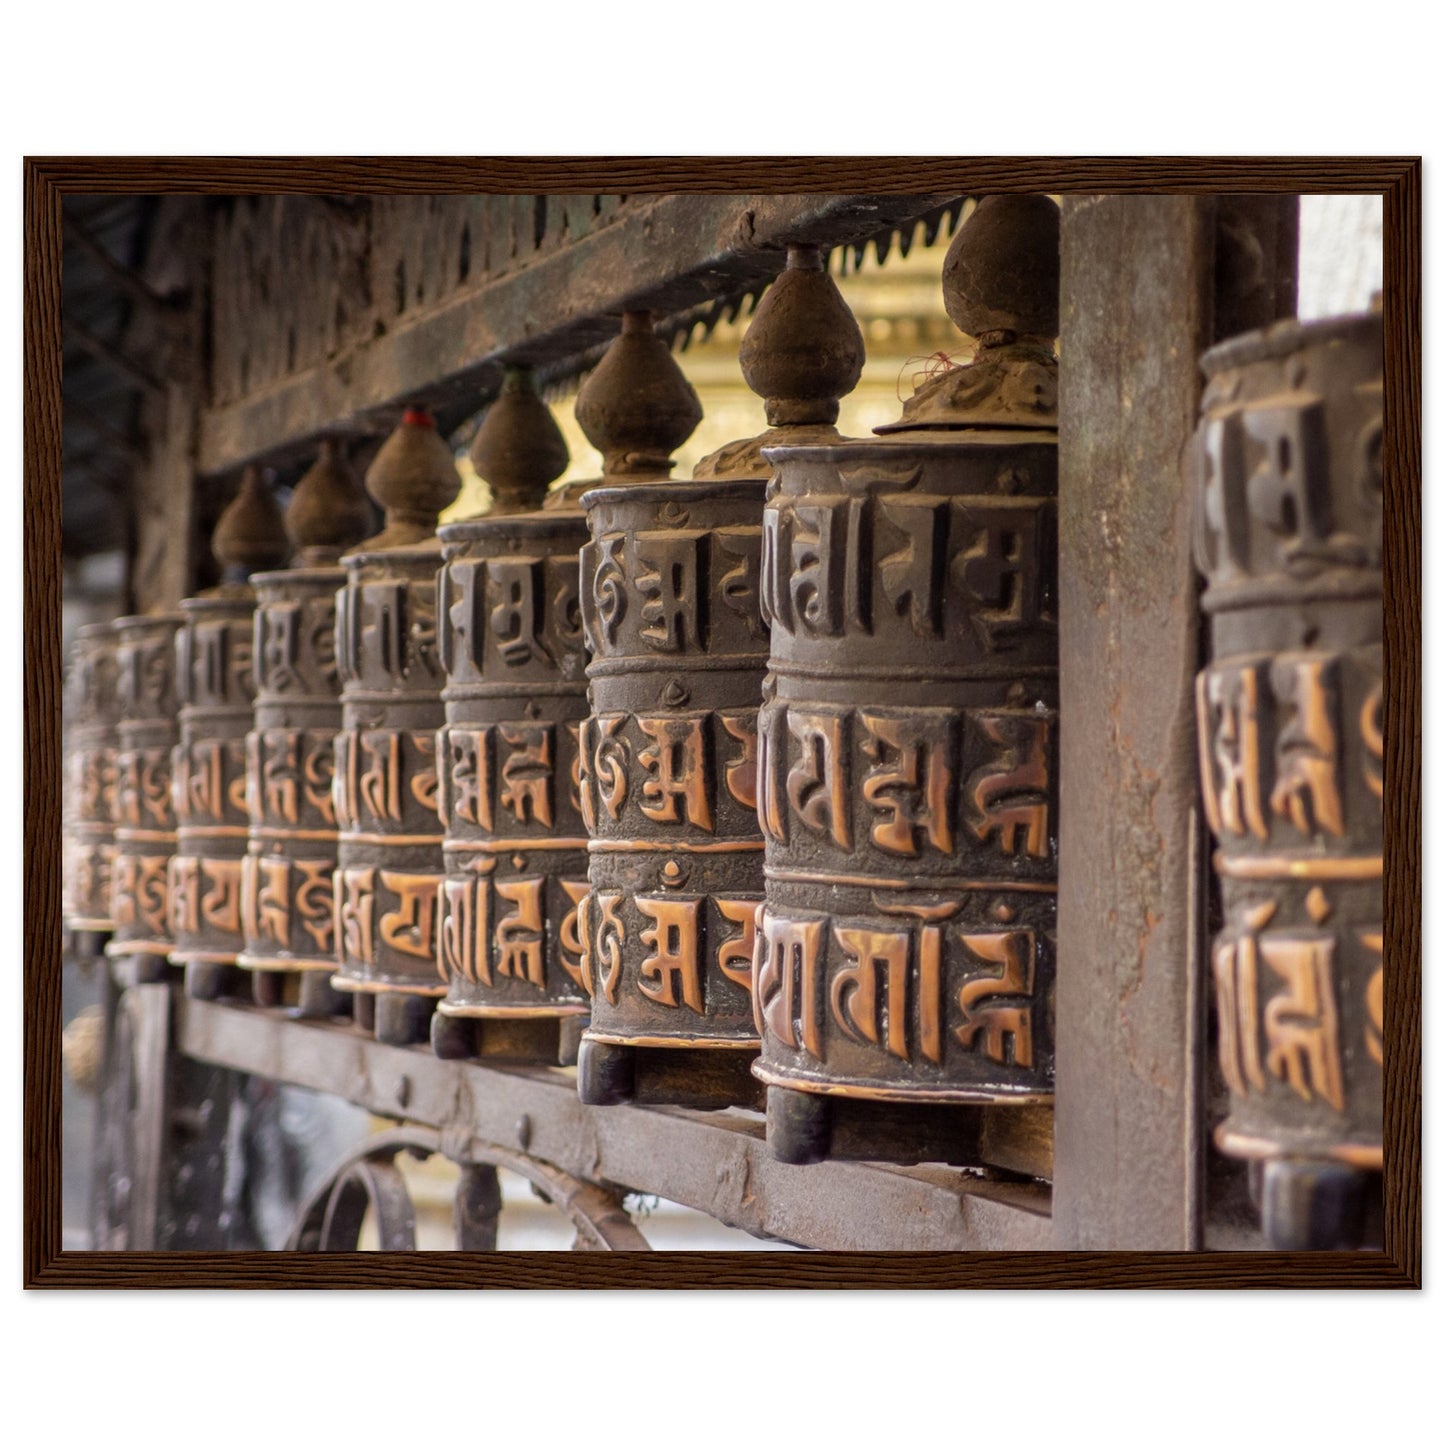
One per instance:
(113, 436)
(665, 255)
(105, 353)
(161, 309)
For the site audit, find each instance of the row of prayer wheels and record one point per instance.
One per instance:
(734, 790)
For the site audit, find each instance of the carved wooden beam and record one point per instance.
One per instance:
(664, 256)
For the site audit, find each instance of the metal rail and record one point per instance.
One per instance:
(718, 1163)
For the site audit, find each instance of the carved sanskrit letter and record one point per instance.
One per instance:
(155, 793)
(1009, 796)
(1001, 1024)
(606, 943)
(221, 904)
(815, 585)
(1287, 490)
(127, 790)
(735, 953)
(1229, 752)
(609, 762)
(316, 775)
(463, 946)
(469, 775)
(858, 1004)
(152, 894)
(774, 600)
(276, 627)
(1236, 984)
(609, 588)
(122, 891)
(424, 779)
(408, 929)
(738, 587)
(772, 752)
(817, 786)
(1300, 1025)
(273, 900)
(278, 773)
(313, 901)
(527, 773)
(1306, 789)
(785, 981)
(355, 911)
(184, 877)
(667, 568)
(519, 934)
(204, 774)
(742, 770)
(1372, 732)
(677, 769)
(569, 937)
(1375, 999)
(379, 786)
(1002, 569)
(910, 781)
(516, 583)
(673, 940)
(913, 577)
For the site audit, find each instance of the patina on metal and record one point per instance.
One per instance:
(1291, 752)
(906, 778)
(88, 826)
(287, 912)
(389, 848)
(216, 688)
(669, 757)
(510, 636)
(145, 819)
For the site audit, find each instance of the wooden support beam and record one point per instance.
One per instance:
(161, 309)
(1147, 281)
(107, 355)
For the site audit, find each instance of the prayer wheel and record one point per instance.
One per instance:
(907, 746)
(88, 837)
(669, 759)
(389, 847)
(516, 695)
(1291, 760)
(287, 911)
(216, 689)
(145, 819)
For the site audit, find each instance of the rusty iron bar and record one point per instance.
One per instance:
(718, 1163)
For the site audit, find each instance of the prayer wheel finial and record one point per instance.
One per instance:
(519, 449)
(251, 533)
(637, 407)
(414, 478)
(1001, 287)
(328, 511)
(804, 349)
(802, 352)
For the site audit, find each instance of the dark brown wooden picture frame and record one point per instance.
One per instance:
(48, 180)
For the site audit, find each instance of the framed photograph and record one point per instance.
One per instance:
(677, 723)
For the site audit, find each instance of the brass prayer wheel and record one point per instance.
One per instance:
(286, 876)
(669, 757)
(1291, 754)
(88, 843)
(389, 848)
(216, 689)
(510, 637)
(907, 749)
(145, 819)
